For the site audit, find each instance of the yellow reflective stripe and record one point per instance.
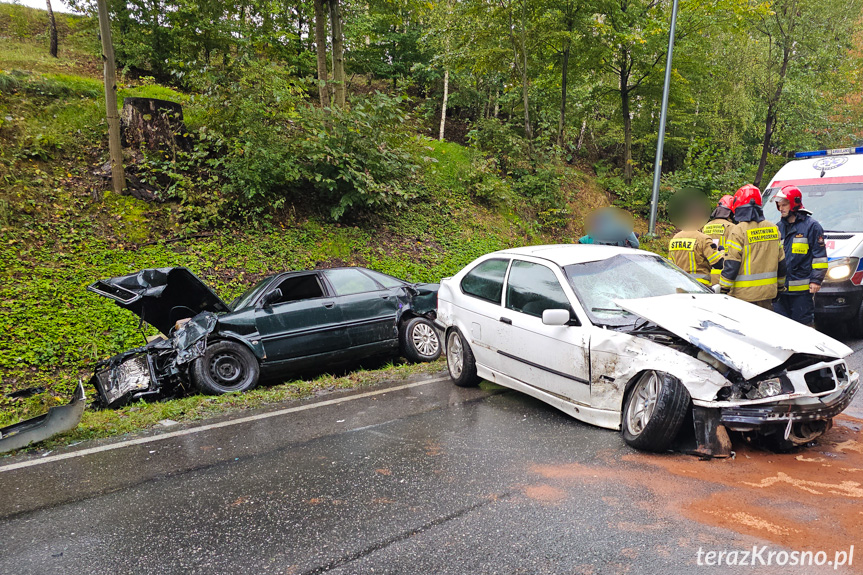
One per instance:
(755, 283)
(733, 244)
(799, 288)
(725, 281)
(714, 257)
(692, 266)
(819, 266)
(702, 280)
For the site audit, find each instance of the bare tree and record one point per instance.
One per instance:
(321, 49)
(118, 176)
(338, 52)
(52, 27)
(443, 107)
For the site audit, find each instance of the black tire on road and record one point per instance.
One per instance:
(419, 340)
(653, 411)
(226, 366)
(459, 360)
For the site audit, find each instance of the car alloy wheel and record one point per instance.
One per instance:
(455, 355)
(425, 339)
(641, 408)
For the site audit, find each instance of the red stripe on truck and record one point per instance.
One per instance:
(819, 181)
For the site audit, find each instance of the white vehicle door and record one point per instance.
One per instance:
(552, 358)
(480, 307)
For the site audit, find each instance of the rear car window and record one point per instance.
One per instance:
(350, 281)
(533, 288)
(384, 279)
(485, 281)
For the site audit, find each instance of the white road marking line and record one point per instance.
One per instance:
(229, 423)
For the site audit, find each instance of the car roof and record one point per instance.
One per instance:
(567, 254)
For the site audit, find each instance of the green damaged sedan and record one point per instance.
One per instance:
(286, 323)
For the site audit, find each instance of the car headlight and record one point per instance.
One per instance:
(841, 269)
(766, 388)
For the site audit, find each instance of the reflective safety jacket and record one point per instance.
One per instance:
(693, 252)
(754, 261)
(717, 230)
(805, 253)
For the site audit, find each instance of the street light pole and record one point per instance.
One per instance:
(660, 142)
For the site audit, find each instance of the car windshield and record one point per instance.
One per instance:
(597, 284)
(837, 207)
(248, 295)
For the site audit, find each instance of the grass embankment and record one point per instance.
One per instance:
(60, 231)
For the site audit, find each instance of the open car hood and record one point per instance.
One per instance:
(743, 336)
(161, 296)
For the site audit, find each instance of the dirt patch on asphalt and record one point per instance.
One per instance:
(808, 500)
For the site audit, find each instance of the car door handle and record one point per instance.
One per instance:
(329, 304)
(385, 297)
(506, 320)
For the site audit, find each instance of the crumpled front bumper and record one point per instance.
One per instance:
(801, 410)
(58, 420)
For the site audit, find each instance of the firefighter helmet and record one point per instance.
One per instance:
(746, 196)
(793, 195)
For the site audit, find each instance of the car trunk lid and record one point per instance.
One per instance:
(161, 296)
(741, 335)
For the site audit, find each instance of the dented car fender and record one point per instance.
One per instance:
(617, 359)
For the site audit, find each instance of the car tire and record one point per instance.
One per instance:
(653, 411)
(225, 367)
(460, 362)
(419, 340)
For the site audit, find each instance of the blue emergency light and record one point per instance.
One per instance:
(836, 152)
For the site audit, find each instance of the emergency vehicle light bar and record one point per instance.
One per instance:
(836, 152)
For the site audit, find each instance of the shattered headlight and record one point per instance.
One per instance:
(131, 375)
(766, 388)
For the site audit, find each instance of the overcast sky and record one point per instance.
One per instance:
(57, 5)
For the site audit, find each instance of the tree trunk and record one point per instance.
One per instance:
(118, 176)
(627, 136)
(153, 124)
(581, 135)
(52, 24)
(496, 101)
(561, 128)
(321, 49)
(443, 107)
(338, 52)
(525, 82)
(772, 113)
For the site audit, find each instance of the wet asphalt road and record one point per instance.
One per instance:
(426, 478)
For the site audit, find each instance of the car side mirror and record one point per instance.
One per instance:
(555, 317)
(271, 297)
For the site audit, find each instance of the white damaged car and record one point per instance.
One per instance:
(621, 339)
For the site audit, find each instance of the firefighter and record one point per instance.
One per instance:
(754, 269)
(690, 249)
(805, 254)
(717, 228)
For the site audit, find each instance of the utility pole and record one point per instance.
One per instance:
(660, 142)
(118, 176)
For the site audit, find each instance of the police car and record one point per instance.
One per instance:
(832, 185)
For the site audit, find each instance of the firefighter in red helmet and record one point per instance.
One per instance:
(805, 254)
(718, 227)
(754, 268)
